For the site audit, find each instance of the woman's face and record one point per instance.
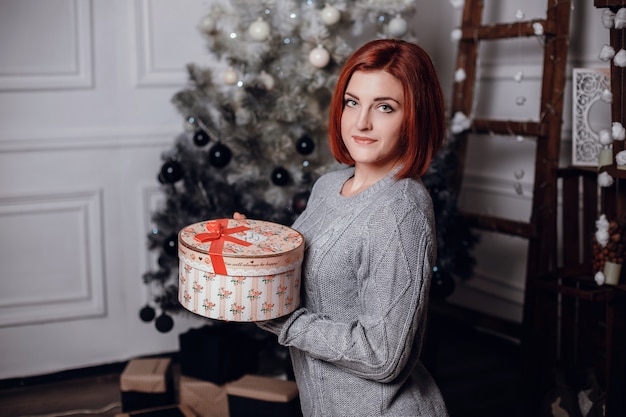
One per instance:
(372, 118)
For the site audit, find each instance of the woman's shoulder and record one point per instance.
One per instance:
(408, 196)
(412, 190)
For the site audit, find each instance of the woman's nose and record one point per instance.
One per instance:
(363, 121)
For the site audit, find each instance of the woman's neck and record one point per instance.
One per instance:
(364, 177)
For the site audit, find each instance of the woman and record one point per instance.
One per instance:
(370, 244)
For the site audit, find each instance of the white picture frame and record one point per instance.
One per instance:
(591, 113)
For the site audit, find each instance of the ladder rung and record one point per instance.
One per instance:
(589, 294)
(500, 225)
(508, 127)
(505, 30)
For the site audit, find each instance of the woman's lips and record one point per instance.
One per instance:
(363, 139)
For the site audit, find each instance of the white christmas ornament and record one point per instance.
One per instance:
(620, 159)
(459, 75)
(538, 29)
(319, 57)
(230, 76)
(620, 58)
(259, 30)
(599, 278)
(457, 4)
(607, 96)
(456, 34)
(207, 24)
(267, 80)
(519, 15)
(602, 230)
(617, 131)
(608, 18)
(604, 136)
(605, 180)
(397, 26)
(602, 236)
(519, 76)
(460, 122)
(607, 53)
(620, 19)
(330, 15)
(602, 222)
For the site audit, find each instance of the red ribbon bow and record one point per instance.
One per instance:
(217, 233)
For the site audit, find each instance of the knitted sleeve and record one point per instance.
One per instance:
(398, 255)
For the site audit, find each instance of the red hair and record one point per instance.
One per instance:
(424, 126)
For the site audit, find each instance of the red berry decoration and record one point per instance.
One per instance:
(219, 155)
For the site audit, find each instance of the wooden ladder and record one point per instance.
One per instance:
(541, 228)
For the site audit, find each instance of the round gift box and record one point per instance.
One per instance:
(239, 270)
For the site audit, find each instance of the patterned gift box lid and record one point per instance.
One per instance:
(241, 247)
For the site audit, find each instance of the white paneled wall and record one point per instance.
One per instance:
(85, 115)
(85, 112)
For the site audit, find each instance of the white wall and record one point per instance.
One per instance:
(85, 88)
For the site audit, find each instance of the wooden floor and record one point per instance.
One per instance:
(476, 373)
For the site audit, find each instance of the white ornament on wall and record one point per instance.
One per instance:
(457, 4)
(460, 75)
(606, 53)
(589, 85)
(608, 18)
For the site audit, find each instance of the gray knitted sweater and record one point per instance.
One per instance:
(355, 342)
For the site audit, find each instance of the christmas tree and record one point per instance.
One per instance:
(255, 122)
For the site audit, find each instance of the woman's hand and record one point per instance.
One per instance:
(238, 216)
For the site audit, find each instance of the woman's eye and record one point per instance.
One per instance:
(350, 103)
(385, 108)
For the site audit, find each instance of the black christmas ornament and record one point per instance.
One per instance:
(163, 262)
(171, 171)
(201, 138)
(170, 245)
(298, 203)
(147, 313)
(219, 155)
(305, 145)
(280, 176)
(442, 284)
(164, 323)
